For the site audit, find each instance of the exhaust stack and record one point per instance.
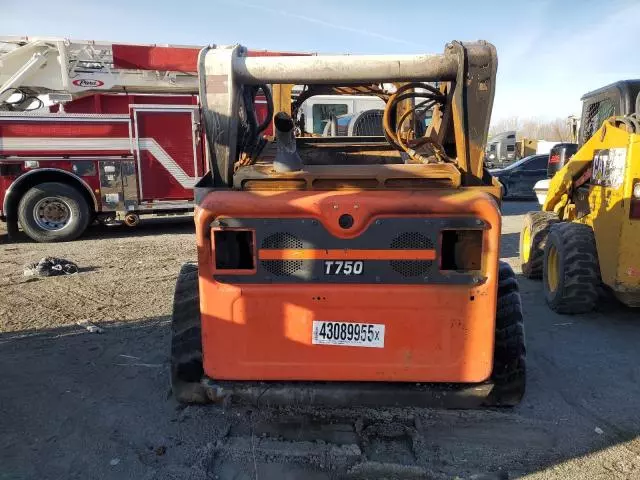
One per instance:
(287, 158)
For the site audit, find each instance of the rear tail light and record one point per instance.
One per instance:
(554, 159)
(634, 211)
(234, 251)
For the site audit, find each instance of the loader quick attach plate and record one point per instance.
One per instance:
(302, 250)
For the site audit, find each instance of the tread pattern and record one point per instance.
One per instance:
(509, 358)
(186, 339)
(579, 284)
(539, 225)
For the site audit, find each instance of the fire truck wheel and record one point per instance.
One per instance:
(53, 212)
(509, 357)
(186, 339)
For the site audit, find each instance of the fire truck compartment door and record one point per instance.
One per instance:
(118, 185)
(167, 150)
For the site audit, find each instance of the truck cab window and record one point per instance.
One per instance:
(322, 114)
(537, 163)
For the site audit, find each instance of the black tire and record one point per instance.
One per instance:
(73, 203)
(509, 357)
(533, 237)
(186, 339)
(575, 288)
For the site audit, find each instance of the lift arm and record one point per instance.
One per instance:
(577, 171)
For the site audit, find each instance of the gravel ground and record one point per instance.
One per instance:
(80, 405)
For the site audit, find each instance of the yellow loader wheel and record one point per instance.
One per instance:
(533, 237)
(571, 273)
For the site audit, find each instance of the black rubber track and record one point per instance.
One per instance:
(539, 224)
(579, 279)
(509, 359)
(186, 339)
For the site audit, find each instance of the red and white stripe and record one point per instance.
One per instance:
(106, 145)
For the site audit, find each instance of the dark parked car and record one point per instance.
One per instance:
(519, 178)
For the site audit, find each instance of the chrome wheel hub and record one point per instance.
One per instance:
(52, 213)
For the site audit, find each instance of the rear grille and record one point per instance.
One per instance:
(282, 268)
(280, 241)
(388, 246)
(411, 241)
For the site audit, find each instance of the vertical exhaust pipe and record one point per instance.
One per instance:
(333, 130)
(287, 158)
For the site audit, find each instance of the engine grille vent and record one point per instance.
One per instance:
(281, 240)
(411, 241)
(282, 268)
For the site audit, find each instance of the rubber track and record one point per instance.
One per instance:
(509, 359)
(186, 338)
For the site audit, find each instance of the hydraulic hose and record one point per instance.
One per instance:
(392, 132)
(250, 142)
(269, 99)
(22, 103)
(9, 92)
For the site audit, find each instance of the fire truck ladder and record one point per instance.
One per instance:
(65, 69)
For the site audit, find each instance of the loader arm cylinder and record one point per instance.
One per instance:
(345, 69)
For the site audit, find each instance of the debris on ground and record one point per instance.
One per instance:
(51, 267)
(91, 328)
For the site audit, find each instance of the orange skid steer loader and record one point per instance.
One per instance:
(349, 270)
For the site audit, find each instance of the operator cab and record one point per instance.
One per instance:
(617, 99)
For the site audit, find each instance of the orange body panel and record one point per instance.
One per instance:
(433, 332)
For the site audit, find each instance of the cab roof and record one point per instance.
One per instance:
(627, 90)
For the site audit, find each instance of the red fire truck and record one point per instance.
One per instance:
(121, 139)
